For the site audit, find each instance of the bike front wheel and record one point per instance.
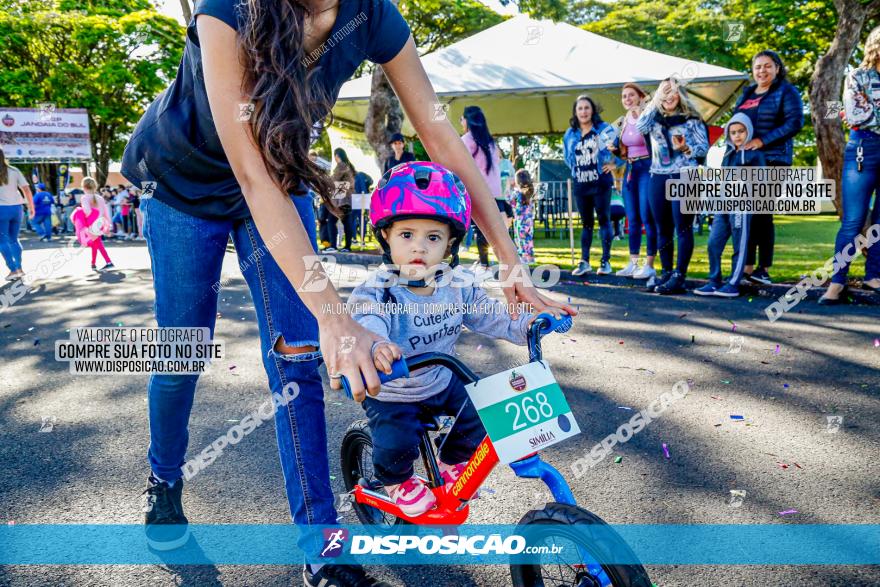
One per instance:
(570, 527)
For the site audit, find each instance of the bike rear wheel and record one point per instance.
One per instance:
(357, 464)
(555, 524)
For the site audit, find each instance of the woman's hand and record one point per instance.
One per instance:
(347, 350)
(609, 168)
(663, 92)
(523, 291)
(754, 144)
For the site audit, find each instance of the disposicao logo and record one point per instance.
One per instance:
(8, 120)
(334, 541)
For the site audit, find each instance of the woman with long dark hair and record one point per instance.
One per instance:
(586, 147)
(775, 108)
(343, 182)
(225, 150)
(11, 181)
(483, 149)
(678, 137)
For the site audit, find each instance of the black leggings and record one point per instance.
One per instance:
(600, 201)
(482, 243)
(762, 235)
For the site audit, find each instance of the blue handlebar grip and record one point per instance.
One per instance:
(399, 369)
(560, 325)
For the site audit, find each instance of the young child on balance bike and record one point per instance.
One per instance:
(420, 213)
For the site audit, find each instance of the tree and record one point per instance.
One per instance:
(111, 57)
(435, 24)
(187, 10)
(827, 80)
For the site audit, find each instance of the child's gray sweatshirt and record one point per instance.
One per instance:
(419, 324)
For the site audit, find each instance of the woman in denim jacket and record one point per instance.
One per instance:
(678, 138)
(585, 148)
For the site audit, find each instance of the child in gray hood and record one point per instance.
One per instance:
(737, 133)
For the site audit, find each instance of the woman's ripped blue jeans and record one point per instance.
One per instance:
(187, 255)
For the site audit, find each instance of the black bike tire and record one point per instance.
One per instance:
(358, 433)
(559, 514)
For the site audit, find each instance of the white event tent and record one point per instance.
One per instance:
(525, 74)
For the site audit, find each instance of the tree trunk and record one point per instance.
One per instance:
(827, 82)
(187, 10)
(384, 115)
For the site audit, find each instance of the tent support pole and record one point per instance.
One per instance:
(570, 223)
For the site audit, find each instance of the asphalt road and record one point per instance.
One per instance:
(626, 348)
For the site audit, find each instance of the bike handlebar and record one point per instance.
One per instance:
(543, 324)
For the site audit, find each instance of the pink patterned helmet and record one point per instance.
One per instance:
(420, 190)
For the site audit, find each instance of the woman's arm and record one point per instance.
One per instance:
(856, 104)
(272, 210)
(412, 86)
(646, 119)
(793, 115)
(29, 200)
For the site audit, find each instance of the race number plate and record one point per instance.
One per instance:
(523, 410)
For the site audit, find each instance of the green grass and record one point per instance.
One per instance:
(803, 243)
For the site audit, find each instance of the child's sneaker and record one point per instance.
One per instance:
(413, 497)
(451, 473)
(708, 290)
(728, 290)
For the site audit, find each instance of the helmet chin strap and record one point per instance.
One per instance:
(438, 275)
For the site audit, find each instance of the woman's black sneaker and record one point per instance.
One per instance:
(760, 275)
(662, 279)
(340, 576)
(166, 526)
(675, 285)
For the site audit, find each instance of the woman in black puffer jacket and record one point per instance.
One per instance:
(777, 113)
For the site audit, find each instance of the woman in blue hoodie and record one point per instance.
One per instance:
(585, 148)
(777, 114)
(678, 137)
(737, 135)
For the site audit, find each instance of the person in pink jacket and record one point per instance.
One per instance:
(91, 220)
(483, 149)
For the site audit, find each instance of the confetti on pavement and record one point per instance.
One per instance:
(786, 512)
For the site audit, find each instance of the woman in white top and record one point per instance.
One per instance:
(11, 181)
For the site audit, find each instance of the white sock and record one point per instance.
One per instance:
(315, 568)
(160, 480)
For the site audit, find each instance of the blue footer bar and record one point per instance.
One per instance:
(769, 544)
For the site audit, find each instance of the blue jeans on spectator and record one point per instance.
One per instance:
(858, 187)
(588, 197)
(670, 221)
(10, 225)
(43, 225)
(187, 255)
(723, 227)
(636, 192)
